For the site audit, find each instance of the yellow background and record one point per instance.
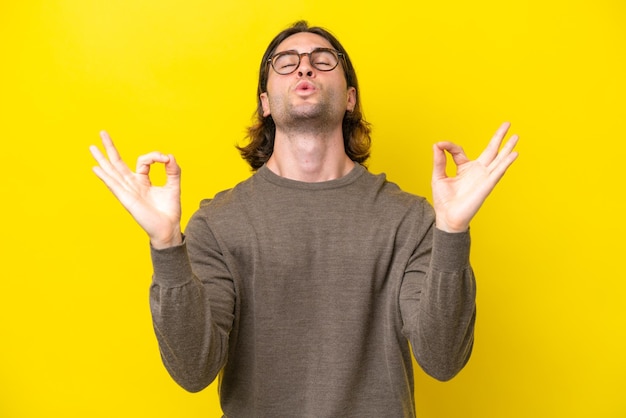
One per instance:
(180, 76)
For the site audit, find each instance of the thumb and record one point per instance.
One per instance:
(172, 171)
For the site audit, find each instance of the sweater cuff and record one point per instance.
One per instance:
(172, 267)
(450, 250)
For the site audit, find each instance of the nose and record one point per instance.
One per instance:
(305, 66)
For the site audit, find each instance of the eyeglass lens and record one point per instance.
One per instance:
(288, 62)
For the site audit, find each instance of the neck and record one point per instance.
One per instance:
(312, 157)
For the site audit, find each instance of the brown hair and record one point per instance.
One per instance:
(356, 131)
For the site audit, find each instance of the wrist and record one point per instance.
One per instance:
(171, 240)
(450, 228)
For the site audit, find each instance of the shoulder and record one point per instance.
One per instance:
(390, 193)
(385, 203)
(223, 205)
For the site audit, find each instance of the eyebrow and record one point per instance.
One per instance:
(318, 48)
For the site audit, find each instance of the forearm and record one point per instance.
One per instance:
(441, 328)
(193, 347)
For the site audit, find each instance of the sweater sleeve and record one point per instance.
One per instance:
(192, 300)
(438, 303)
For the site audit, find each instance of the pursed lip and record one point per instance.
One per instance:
(305, 86)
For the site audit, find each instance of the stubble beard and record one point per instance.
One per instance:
(309, 118)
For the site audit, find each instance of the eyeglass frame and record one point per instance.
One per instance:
(340, 57)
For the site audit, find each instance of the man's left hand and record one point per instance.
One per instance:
(457, 199)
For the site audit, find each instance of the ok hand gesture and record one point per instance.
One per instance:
(156, 209)
(457, 199)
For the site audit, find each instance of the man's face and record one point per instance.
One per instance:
(307, 93)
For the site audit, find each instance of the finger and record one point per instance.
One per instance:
(503, 154)
(111, 183)
(491, 151)
(115, 165)
(119, 185)
(110, 148)
(105, 170)
(456, 151)
(102, 175)
(499, 171)
(145, 161)
(439, 163)
(105, 164)
(504, 159)
(96, 153)
(440, 160)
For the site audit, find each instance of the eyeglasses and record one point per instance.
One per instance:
(322, 59)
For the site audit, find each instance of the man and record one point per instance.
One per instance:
(303, 286)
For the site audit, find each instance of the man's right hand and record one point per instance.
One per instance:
(156, 209)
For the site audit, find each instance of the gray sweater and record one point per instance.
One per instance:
(305, 296)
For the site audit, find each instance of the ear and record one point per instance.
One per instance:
(265, 104)
(351, 99)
